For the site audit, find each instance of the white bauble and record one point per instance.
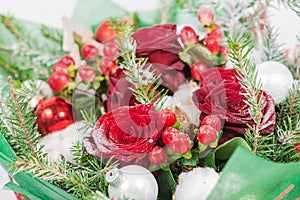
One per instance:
(132, 182)
(196, 184)
(276, 79)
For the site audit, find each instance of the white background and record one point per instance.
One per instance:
(50, 12)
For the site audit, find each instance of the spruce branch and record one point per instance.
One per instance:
(272, 49)
(246, 69)
(7, 21)
(26, 132)
(290, 108)
(139, 73)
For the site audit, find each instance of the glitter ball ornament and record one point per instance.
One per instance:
(276, 79)
(132, 182)
(53, 114)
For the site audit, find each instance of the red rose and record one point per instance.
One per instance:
(159, 44)
(126, 133)
(221, 94)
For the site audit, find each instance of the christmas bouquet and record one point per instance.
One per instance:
(151, 105)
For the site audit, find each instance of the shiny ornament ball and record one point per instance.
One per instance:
(276, 79)
(53, 114)
(132, 182)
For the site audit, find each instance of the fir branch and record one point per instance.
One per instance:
(22, 121)
(166, 12)
(290, 108)
(272, 50)
(288, 140)
(139, 73)
(7, 21)
(294, 5)
(246, 69)
(52, 34)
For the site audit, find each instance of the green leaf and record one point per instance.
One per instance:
(196, 53)
(166, 185)
(224, 151)
(194, 161)
(14, 187)
(219, 60)
(247, 176)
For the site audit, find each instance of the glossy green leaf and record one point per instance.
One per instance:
(247, 176)
(166, 185)
(196, 53)
(224, 151)
(14, 187)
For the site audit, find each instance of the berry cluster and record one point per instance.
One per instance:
(64, 72)
(208, 132)
(179, 143)
(212, 41)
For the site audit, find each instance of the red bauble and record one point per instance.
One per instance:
(53, 114)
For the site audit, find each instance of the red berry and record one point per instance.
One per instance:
(107, 65)
(67, 60)
(104, 32)
(168, 117)
(205, 15)
(58, 81)
(212, 45)
(297, 150)
(188, 35)
(181, 144)
(90, 52)
(60, 67)
(212, 120)
(158, 156)
(216, 33)
(207, 134)
(110, 50)
(87, 73)
(197, 69)
(169, 134)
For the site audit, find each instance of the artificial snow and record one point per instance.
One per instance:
(58, 144)
(196, 184)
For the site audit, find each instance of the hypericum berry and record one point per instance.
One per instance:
(297, 150)
(216, 33)
(207, 134)
(168, 135)
(87, 73)
(58, 81)
(60, 67)
(197, 69)
(212, 45)
(188, 35)
(181, 144)
(205, 15)
(90, 52)
(212, 120)
(107, 65)
(157, 156)
(67, 60)
(168, 117)
(110, 50)
(104, 32)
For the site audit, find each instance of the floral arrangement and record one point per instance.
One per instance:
(127, 109)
